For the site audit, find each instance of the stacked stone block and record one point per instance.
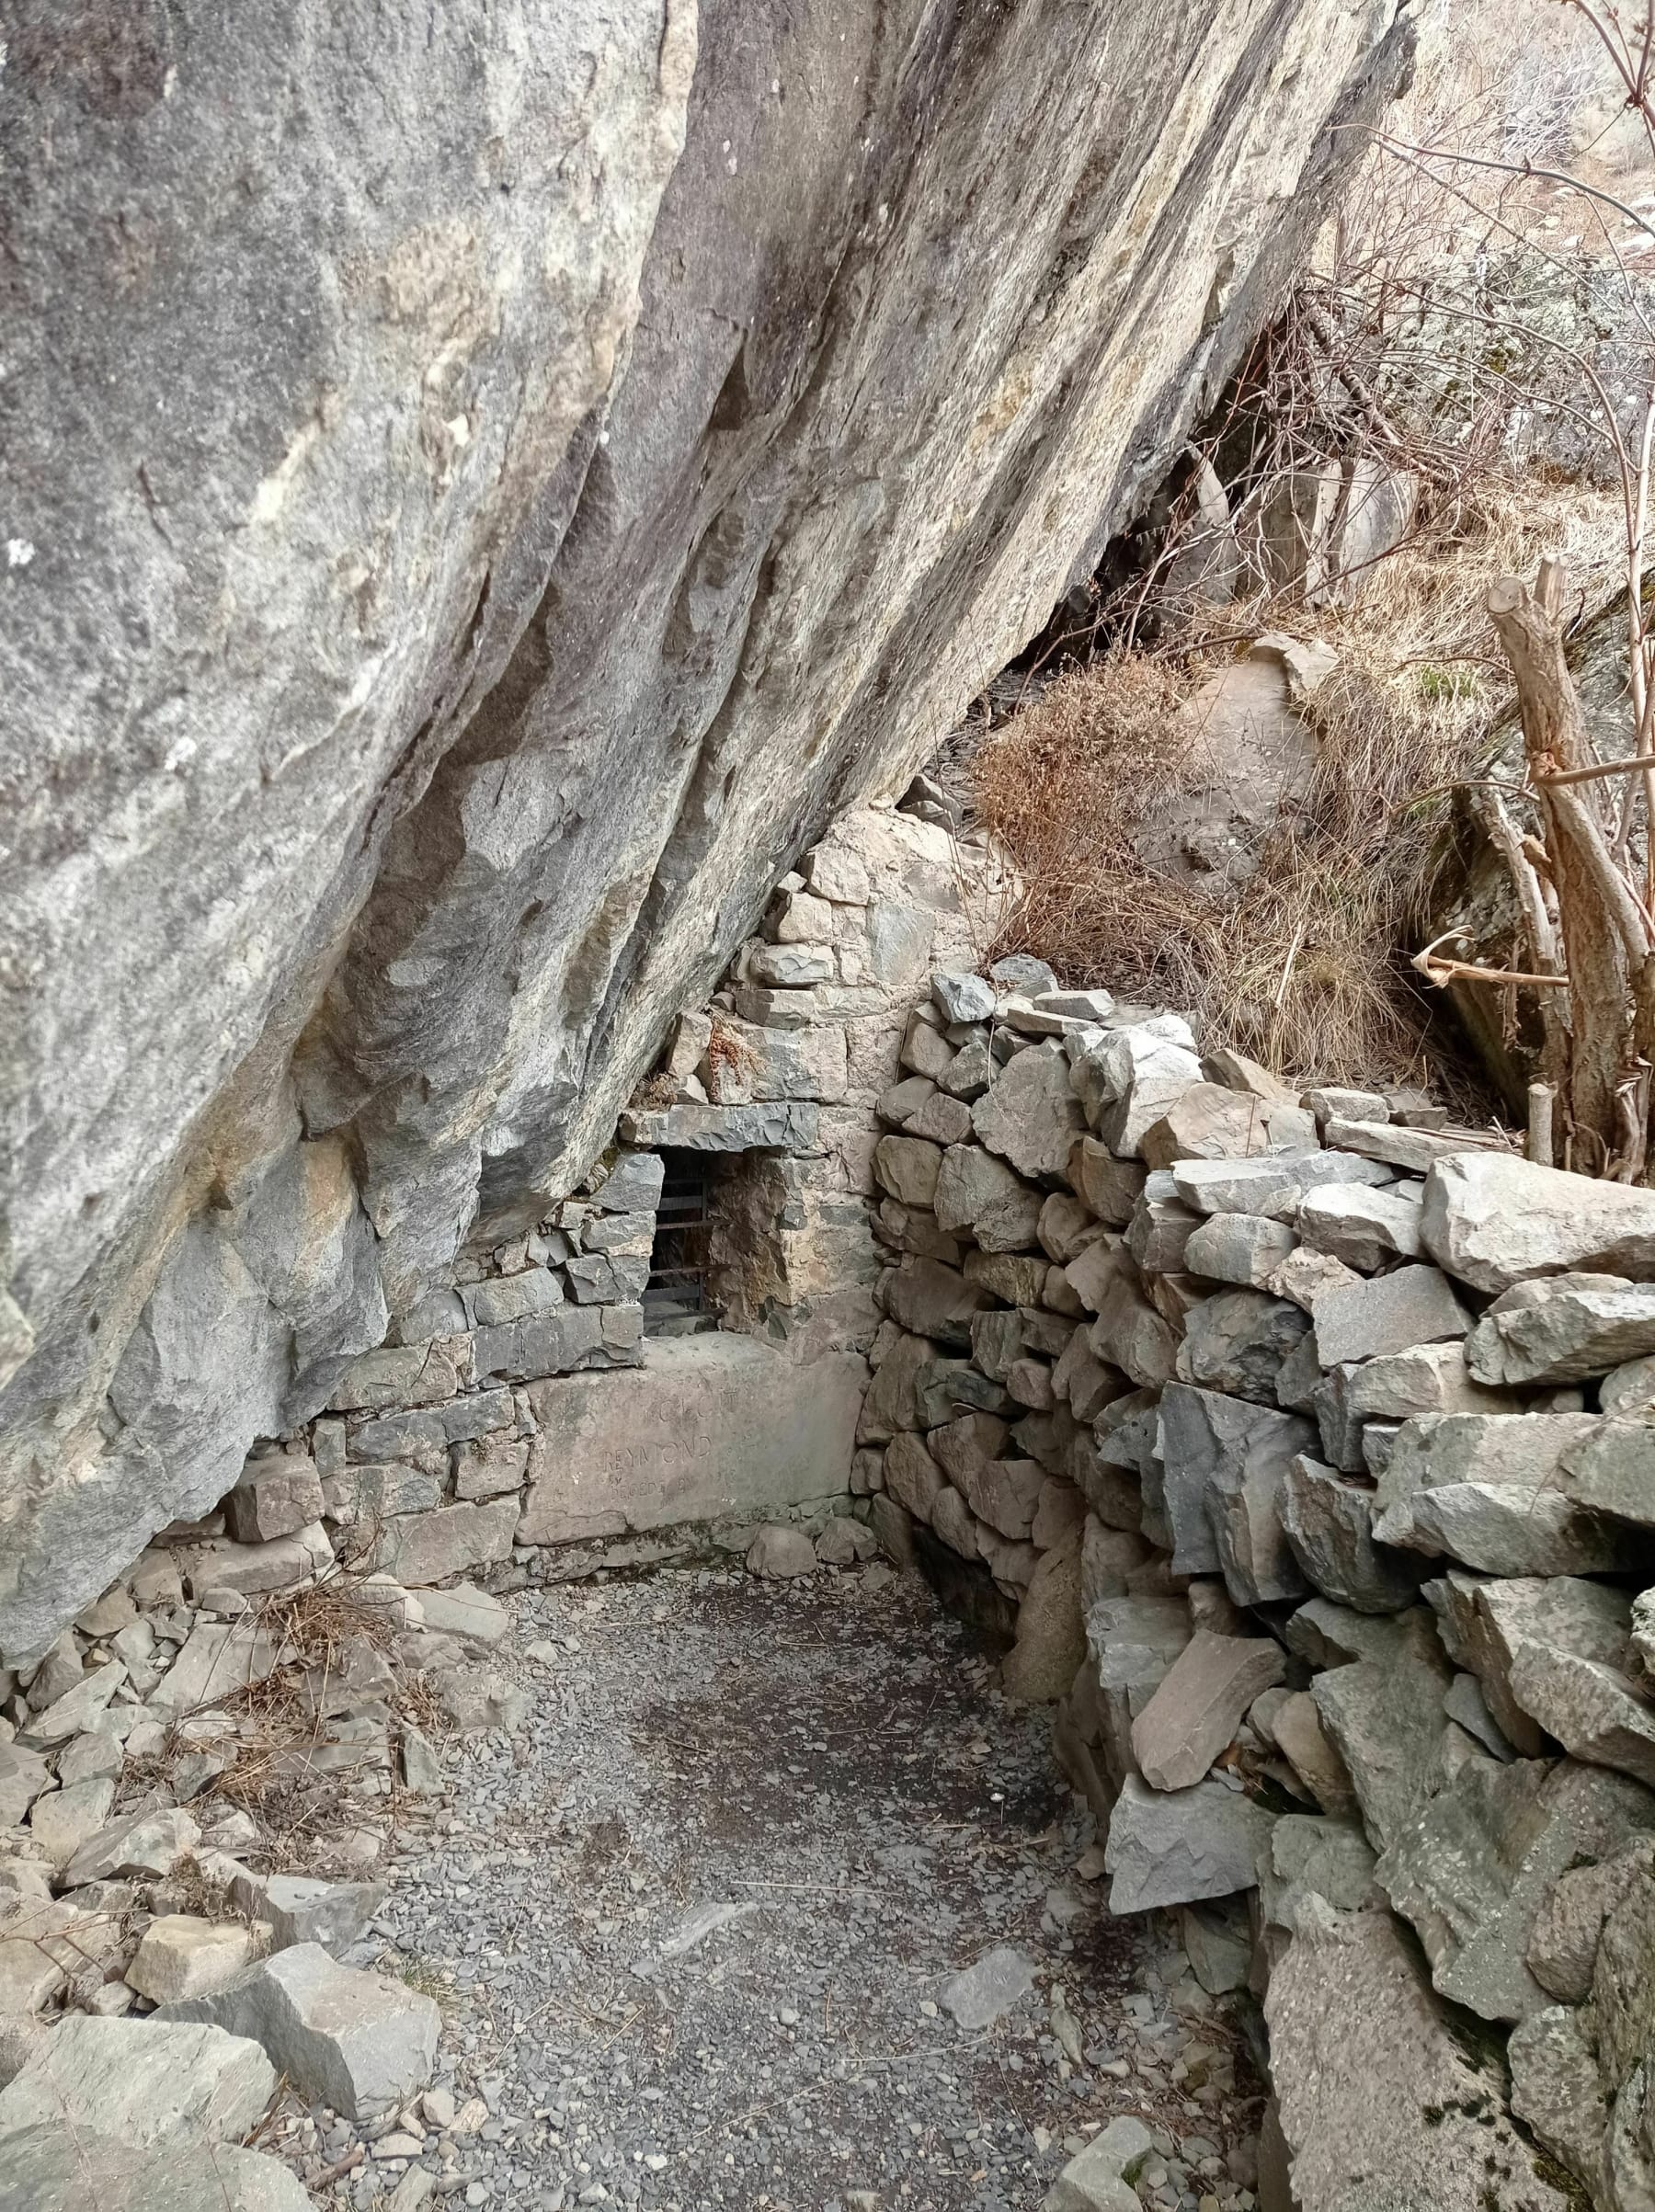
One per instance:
(1314, 1442)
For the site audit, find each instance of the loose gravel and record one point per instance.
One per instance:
(694, 1931)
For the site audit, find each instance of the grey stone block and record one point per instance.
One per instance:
(1237, 1340)
(140, 2083)
(715, 1427)
(1330, 1524)
(359, 2042)
(1494, 1220)
(1562, 1332)
(1365, 1319)
(1176, 1848)
(1372, 2080)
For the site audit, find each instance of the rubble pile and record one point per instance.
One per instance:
(1313, 1442)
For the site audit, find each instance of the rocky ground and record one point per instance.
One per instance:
(697, 1931)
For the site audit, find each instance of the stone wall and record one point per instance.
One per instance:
(493, 1438)
(1307, 1446)
(478, 501)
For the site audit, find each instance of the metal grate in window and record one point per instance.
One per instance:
(675, 1299)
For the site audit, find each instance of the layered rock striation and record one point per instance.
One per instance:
(477, 499)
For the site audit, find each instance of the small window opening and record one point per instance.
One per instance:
(677, 1300)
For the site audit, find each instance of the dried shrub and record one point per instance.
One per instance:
(1307, 967)
(731, 1063)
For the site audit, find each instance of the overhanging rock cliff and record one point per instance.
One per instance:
(481, 490)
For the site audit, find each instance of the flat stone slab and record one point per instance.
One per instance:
(773, 1126)
(1179, 1848)
(143, 2082)
(359, 2042)
(43, 2168)
(1416, 1150)
(1562, 1332)
(142, 1846)
(987, 1991)
(218, 1657)
(715, 1427)
(1365, 1319)
(465, 1610)
(422, 1549)
(1199, 1705)
(79, 1708)
(1272, 1186)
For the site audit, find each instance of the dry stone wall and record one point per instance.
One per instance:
(1307, 1445)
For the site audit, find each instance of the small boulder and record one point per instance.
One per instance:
(183, 1956)
(779, 1553)
(1099, 2178)
(843, 1543)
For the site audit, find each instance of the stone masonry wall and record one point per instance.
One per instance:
(484, 1439)
(1313, 1442)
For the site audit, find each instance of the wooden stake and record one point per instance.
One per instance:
(1542, 1100)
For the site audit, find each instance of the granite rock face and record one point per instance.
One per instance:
(361, 857)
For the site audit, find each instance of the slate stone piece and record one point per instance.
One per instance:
(1177, 1849)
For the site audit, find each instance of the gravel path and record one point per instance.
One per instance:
(693, 1930)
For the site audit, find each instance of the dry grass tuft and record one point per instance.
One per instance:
(1305, 967)
(272, 1724)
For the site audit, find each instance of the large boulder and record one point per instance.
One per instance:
(354, 382)
(141, 2081)
(359, 2042)
(1381, 2103)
